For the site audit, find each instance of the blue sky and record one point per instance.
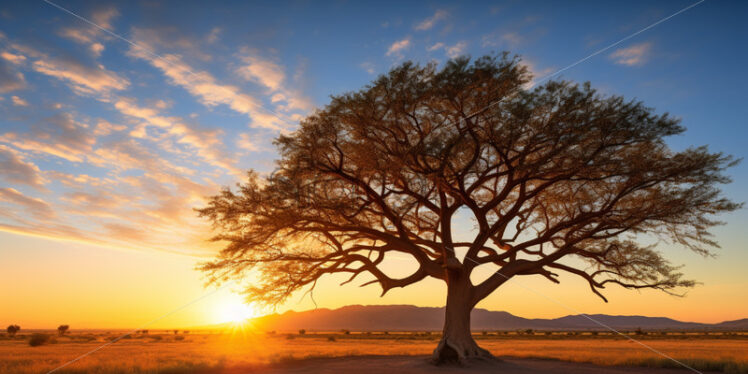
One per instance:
(109, 143)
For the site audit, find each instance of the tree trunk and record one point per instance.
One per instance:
(457, 344)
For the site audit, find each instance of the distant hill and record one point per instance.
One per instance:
(410, 318)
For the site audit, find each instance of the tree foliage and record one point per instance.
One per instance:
(63, 329)
(558, 178)
(13, 329)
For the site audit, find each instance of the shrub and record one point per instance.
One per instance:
(37, 339)
(302, 332)
(179, 337)
(345, 332)
(330, 338)
(290, 337)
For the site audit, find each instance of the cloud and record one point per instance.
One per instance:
(452, 51)
(512, 38)
(636, 55)
(59, 135)
(10, 80)
(435, 47)
(271, 76)
(262, 71)
(37, 207)
(429, 23)
(207, 89)
(14, 58)
(104, 128)
(81, 78)
(17, 101)
(368, 67)
(244, 142)
(397, 47)
(15, 169)
(206, 142)
(457, 49)
(504, 39)
(535, 71)
(87, 34)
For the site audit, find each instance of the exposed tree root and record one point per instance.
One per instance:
(459, 352)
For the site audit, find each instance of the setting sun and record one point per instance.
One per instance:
(233, 310)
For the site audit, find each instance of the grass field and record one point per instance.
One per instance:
(169, 353)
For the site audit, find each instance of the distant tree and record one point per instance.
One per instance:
(302, 332)
(176, 332)
(13, 329)
(62, 329)
(550, 174)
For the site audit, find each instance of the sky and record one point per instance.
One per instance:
(118, 119)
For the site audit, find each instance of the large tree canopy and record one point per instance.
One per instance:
(547, 174)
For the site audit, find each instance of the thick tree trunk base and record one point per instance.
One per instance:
(460, 351)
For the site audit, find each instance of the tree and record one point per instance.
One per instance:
(13, 329)
(548, 175)
(62, 329)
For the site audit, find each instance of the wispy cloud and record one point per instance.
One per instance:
(206, 142)
(435, 47)
(634, 55)
(206, 88)
(398, 47)
(368, 67)
(10, 79)
(430, 22)
(59, 135)
(90, 35)
(17, 101)
(37, 207)
(271, 75)
(15, 169)
(452, 51)
(457, 49)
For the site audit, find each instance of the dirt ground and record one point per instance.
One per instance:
(421, 365)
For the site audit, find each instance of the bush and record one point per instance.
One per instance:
(290, 337)
(330, 338)
(302, 332)
(37, 339)
(179, 337)
(345, 332)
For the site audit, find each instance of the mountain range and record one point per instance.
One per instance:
(413, 318)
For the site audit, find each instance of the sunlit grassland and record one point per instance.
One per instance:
(160, 352)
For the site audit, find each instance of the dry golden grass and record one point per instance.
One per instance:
(166, 354)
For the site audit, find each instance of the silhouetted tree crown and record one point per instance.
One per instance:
(547, 174)
(63, 329)
(13, 329)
